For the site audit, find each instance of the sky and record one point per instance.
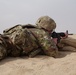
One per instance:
(13, 12)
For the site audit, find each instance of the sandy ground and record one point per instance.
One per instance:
(40, 65)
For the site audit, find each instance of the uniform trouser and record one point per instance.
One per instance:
(3, 52)
(68, 44)
(22, 46)
(13, 51)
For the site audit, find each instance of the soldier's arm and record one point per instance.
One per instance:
(34, 52)
(48, 45)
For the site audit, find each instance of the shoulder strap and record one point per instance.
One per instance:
(12, 29)
(29, 26)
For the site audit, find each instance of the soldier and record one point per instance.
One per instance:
(30, 40)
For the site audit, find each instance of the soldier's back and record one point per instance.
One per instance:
(22, 38)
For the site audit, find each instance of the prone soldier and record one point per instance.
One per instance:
(29, 39)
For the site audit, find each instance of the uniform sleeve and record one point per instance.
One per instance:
(47, 44)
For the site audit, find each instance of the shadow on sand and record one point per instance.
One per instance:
(62, 54)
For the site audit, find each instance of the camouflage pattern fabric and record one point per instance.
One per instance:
(46, 22)
(22, 39)
(34, 52)
(45, 42)
(31, 39)
(3, 46)
(3, 52)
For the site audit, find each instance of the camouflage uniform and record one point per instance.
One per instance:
(6, 46)
(30, 40)
(22, 39)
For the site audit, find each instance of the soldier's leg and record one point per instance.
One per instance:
(3, 52)
(15, 52)
(24, 42)
(34, 52)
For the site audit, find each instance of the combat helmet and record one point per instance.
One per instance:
(46, 22)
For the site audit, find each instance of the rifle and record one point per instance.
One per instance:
(59, 36)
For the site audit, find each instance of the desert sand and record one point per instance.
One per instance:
(65, 64)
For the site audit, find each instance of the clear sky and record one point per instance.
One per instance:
(14, 12)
